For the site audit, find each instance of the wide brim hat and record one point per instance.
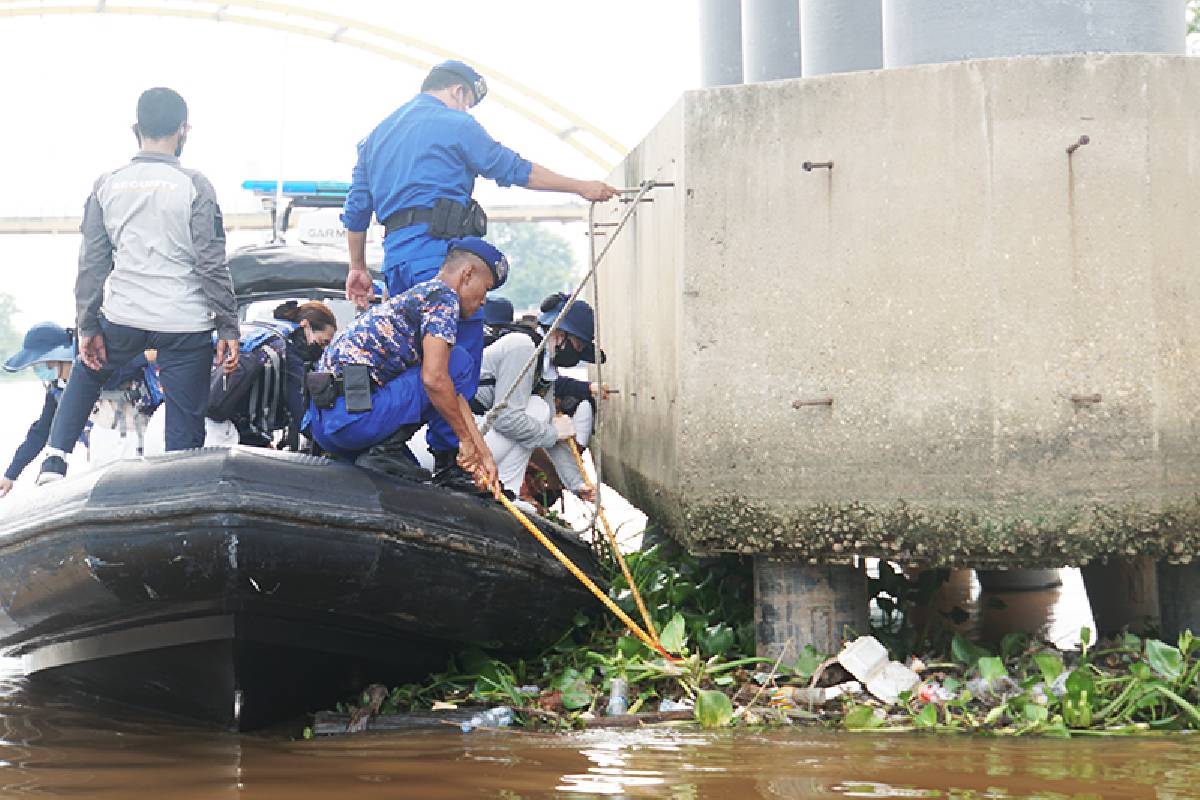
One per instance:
(45, 341)
(579, 321)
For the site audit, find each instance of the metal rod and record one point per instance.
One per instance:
(1085, 399)
(605, 224)
(657, 185)
(812, 401)
(1071, 148)
(642, 200)
(809, 166)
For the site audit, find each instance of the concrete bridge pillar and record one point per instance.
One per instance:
(936, 31)
(798, 604)
(1123, 593)
(720, 42)
(840, 36)
(1179, 599)
(770, 39)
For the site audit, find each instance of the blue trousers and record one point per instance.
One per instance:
(402, 401)
(401, 276)
(184, 364)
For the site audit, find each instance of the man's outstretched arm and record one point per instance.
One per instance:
(547, 180)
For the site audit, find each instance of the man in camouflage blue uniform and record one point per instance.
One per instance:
(417, 367)
(416, 172)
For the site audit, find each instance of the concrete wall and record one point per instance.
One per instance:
(932, 31)
(952, 283)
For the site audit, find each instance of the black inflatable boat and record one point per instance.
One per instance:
(243, 586)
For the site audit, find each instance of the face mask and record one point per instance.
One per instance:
(45, 373)
(179, 146)
(566, 356)
(309, 351)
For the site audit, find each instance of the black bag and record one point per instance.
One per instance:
(452, 220)
(228, 395)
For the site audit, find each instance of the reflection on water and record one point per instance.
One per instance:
(52, 745)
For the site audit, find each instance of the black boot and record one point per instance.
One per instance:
(447, 472)
(392, 457)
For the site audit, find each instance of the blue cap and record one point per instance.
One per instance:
(43, 342)
(495, 260)
(497, 311)
(469, 75)
(579, 322)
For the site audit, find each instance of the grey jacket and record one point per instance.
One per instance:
(502, 362)
(153, 252)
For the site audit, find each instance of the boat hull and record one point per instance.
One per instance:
(242, 586)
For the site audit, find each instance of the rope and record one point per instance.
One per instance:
(490, 418)
(585, 580)
(612, 541)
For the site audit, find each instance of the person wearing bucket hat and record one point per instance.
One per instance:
(47, 350)
(528, 421)
(133, 392)
(399, 364)
(416, 173)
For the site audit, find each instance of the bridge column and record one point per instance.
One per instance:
(770, 39)
(720, 42)
(798, 604)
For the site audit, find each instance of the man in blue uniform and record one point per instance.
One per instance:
(412, 366)
(416, 171)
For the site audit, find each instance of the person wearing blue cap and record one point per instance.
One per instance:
(416, 172)
(400, 363)
(527, 421)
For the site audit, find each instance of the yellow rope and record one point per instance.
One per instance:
(584, 579)
(612, 540)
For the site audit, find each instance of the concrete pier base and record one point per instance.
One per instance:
(1179, 599)
(1123, 593)
(798, 604)
(1017, 580)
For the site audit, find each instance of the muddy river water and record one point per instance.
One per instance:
(53, 746)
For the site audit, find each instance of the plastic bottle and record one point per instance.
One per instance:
(618, 697)
(498, 717)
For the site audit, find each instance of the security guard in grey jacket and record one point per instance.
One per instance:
(152, 275)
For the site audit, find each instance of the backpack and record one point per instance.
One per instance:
(250, 396)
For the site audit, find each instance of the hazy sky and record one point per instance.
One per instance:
(71, 84)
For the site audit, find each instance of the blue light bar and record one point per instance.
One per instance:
(299, 188)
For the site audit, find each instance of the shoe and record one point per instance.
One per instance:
(54, 468)
(443, 459)
(393, 465)
(396, 444)
(456, 478)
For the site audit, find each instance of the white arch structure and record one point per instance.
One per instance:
(541, 110)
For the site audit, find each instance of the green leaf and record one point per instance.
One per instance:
(926, 717)
(713, 709)
(1164, 659)
(861, 718)
(630, 647)
(575, 690)
(1051, 666)
(1085, 636)
(1014, 644)
(991, 668)
(1140, 670)
(965, 652)
(1035, 713)
(717, 639)
(724, 680)
(1080, 682)
(808, 662)
(673, 637)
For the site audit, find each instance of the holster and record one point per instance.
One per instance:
(452, 220)
(323, 388)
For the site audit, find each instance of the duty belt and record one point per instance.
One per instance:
(407, 216)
